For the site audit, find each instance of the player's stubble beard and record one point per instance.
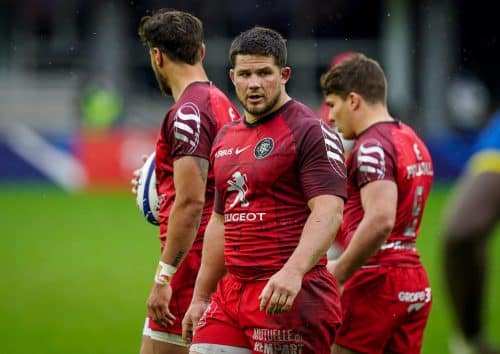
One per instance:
(162, 82)
(260, 112)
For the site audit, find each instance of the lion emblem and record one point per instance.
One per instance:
(238, 184)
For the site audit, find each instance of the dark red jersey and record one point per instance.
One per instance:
(390, 151)
(189, 129)
(265, 173)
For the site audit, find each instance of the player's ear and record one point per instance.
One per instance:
(203, 50)
(354, 100)
(231, 75)
(286, 72)
(157, 56)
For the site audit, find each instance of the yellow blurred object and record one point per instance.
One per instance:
(101, 108)
(485, 161)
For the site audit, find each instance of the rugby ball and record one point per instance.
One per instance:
(147, 196)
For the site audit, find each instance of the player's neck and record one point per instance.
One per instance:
(372, 115)
(183, 75)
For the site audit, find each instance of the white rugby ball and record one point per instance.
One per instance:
(147, 196)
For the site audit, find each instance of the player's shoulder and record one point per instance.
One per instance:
(231, 127)
(412, 140)
(191, 101)
(202, 94)
(223, 132)
(204, 99)
(234, 124)
(298, 110)
(387, 132)
(196, 92)
(376, 139)
(408, 129)
(214, 90)
(301, 118)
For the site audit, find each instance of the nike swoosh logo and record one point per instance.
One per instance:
(239, 151)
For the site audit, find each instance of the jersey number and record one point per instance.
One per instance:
(416, 212)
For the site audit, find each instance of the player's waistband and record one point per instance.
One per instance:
(247, 278)
(398, 246)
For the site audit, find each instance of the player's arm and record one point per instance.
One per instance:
(212, 269)
(318, 234)
(379, 201)
(212, 262)
(190, 175)
(190, 179)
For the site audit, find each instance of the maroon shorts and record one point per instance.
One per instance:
(385, 309)
(233, 317)
(182, 292)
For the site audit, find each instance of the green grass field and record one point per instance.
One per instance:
(76, 271)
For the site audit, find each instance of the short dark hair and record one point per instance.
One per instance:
(358, 74)
(259, 41)
(177, 34)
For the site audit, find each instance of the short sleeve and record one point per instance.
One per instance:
(192, 132)
(321, 162)
(373, 162)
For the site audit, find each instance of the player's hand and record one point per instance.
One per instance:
(136, 174)
(331, 266)
(280, 291)
(158, 303)
(191, 318)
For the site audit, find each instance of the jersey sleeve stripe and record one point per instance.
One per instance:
(330, 134)
(368, 159)
(370, 169)
(183, 126)
(333, 146)
(371, 150)
(334, 156)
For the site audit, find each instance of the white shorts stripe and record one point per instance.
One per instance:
(163, 336)
(207, 348)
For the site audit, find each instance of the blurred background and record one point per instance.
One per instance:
(79, 105)
(74, 75)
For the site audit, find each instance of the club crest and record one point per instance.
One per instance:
(263, 148)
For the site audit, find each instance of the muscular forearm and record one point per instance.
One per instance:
(206, 281)
(379, 200)
(184, 220)
(212, 264)
(317, 236)
(366, 241)
(190, 175)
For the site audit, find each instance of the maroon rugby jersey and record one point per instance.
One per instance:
(264, 175)
(189, 129)
(390, 151)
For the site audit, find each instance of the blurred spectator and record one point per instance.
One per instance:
(474, 211)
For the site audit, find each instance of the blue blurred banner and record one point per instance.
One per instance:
(73, 162)
(107, 158)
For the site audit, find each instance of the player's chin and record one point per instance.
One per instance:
(345, 134)
(256, 109)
